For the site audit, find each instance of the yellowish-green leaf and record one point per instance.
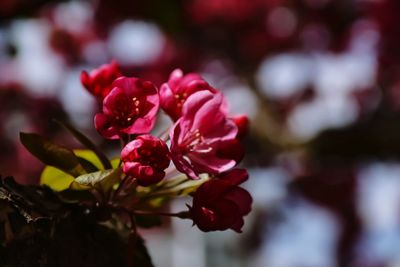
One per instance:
(115, 163)
(55, 178)
(59, 180)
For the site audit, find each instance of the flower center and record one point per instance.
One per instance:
(192, 139)
(126, 112)
(195, 142)
(180, 98)
(136, 104)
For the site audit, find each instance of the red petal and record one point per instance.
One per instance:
(235, 176)
(241, 198)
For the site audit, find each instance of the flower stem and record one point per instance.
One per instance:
(182, 214)
(176, 189)
(120, 186)
(176, 180)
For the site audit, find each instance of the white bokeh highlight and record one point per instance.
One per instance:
(136, 42)
(306, 237)
(37, 67)
(379, 208)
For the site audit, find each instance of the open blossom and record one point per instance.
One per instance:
(220, 204)
(99, 81)
(179, 87)
(130, 108)
(146, 158)
(203, 140)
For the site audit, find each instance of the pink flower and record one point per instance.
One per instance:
(130, 108)
(99, 81)
(145, 159)
(179, 87)
(203, 139)
(220, 204)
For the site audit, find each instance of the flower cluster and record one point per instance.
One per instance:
(195, 156)
(203, 139)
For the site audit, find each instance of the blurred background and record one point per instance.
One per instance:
(319, 80)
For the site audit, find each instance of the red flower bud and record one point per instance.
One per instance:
(220, 204)
(99, 81)
(146, 158)
(242, 122)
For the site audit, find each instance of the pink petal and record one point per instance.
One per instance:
(130, 147)
(224, 131)
(194, 103)
(131, 168)
(102, 125)
(196, 84)
(140, 126)
(208, 115)
(112, 99)
(168, 101)
(174, 78)
(210, 162)
(184, 166)
(85, 79)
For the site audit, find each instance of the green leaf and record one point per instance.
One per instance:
(52, 154)
(87, 143)
(108, 182)
(59, 180)
(103, 180)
